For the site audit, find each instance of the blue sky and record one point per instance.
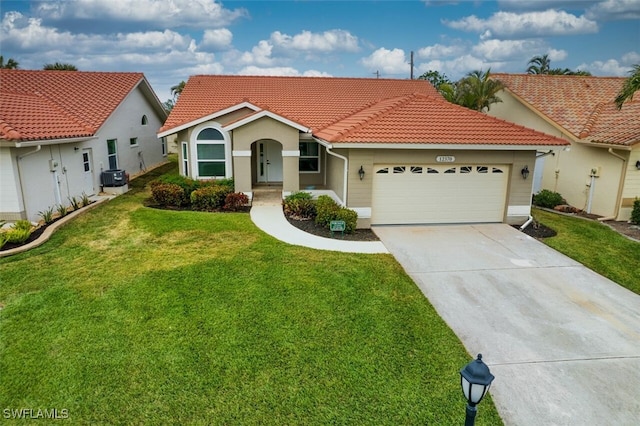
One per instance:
(169, 40)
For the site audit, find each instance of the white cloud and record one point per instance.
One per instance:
(609, 67)
(154, 40)
(169, 14)
(438, 51)
(544, 4)
(217, 39)
(306, 41)
(500, 50)
(615, 10)
(28, 34)
(557, 55)
(631, 58)
(458, 67)
(387, 61)
(545, 23)
(259, 55)
(280, 71)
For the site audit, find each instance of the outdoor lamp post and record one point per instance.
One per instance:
(475, 379)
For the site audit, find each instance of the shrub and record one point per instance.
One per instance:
(47, 215)
(17, 235)
(167, 194)
(635, 212)
(22, 224)
(85, 200)
(548, 199)
(3, 239)
(235, 201)
(326, 210)
(188, 185)
(350, 218)
(75, 203)
(209, 198)
(299, 205)
(62, 210)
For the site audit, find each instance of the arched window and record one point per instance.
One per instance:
(211, 154)
(144, 120)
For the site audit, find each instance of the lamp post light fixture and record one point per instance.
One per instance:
(525, 172)
(361, 173)
(638, 164)
(475, 379)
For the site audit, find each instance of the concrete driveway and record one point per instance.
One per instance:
(562, 341)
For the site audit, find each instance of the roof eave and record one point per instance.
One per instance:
(448, 146)
(35, 142)
(211, 116)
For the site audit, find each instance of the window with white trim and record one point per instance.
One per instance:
(309, 161)
(210, 154)
(112, 153)
(185, 159)
(163, 142)
(144, 120)
(133, 141)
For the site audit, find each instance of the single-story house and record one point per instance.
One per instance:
(600, 171)
(59, 130)
(393, 150)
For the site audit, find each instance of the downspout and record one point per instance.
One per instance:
(346, 172)
(20, 157)
(530, 219)
(620, 186)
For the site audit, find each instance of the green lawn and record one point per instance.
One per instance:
(595, 246)
(135, 315)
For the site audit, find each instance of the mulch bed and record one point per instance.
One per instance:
(34, 236)
(310, 227)
(537, 230)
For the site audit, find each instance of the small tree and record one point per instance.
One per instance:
(10, 64)
(635, 213)
(58, 66)
(630, 86)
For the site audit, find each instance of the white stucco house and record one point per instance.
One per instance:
(59, 130)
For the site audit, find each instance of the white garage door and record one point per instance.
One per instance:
(404, 194)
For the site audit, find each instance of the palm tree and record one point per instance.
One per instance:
(11, 64)
(177, 89)
(477, 91)
(58, 66)
(539, 65)
(630, 86)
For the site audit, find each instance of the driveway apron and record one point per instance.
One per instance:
(562, 341)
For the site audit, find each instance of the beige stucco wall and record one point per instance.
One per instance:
(631, 188)
(518, 191)
(266, 128)
(568, 171)
(335, 172)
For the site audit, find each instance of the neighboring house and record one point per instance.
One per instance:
(393, 150)
(600, 171)
(60, 129)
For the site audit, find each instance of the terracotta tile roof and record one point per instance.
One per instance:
(40, 105)
(582, 105)
(342, 110)
(314, 102)
(430, 119)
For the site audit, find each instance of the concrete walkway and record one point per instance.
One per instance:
(562, 341)
(267, 214)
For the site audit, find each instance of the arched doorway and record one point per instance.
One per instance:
(268, 161)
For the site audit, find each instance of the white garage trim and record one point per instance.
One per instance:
(439, 193)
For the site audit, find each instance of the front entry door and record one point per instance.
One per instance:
(269, 161)
(87, 166)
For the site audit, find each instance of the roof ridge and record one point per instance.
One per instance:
(591, 121)
(399, 101)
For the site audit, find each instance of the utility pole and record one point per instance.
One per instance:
(412, 65)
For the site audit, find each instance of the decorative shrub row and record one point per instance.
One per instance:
(548, 199)
(301, 206)
(180, 191)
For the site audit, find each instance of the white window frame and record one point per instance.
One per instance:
(163, 142)
(185, 158)
(310, 156)
(194, 142)
(114, 155)
(135, 142)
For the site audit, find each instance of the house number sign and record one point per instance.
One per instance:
(445, 158)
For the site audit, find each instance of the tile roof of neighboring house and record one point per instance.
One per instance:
(582, 105)
(346, 110)
(43, 105)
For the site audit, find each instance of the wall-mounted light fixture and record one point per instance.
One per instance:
(525, 172)
(361, 173)
(638, 164)
(75, 148)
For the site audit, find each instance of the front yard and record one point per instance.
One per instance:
(136, 315)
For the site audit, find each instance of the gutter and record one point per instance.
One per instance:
(328, 147)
